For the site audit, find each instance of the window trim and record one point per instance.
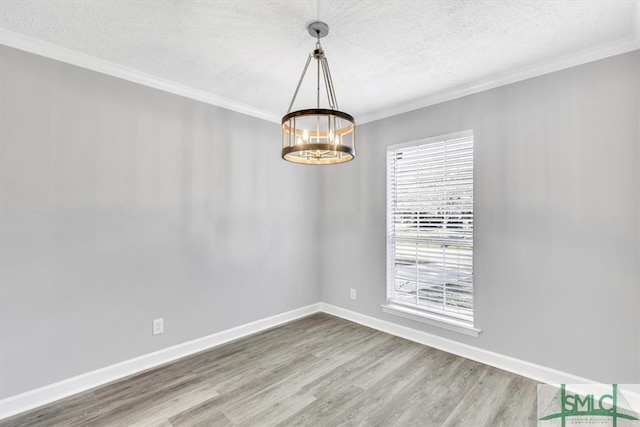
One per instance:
(432, 317)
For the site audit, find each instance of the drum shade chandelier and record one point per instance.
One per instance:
(318, 136)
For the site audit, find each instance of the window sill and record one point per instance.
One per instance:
(424, 317)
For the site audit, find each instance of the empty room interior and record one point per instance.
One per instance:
(319, 213)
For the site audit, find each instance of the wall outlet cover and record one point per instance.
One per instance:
(158, 326)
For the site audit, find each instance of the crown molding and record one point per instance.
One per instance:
(636, 22)
(49, 50)
(579, 58)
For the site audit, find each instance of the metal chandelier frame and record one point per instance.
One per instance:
(318, 136)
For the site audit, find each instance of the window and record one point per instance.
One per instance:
(430, 230)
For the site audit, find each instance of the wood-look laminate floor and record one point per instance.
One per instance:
(316, 371)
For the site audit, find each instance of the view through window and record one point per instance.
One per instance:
(430, 225)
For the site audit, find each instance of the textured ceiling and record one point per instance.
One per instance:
(385, 56)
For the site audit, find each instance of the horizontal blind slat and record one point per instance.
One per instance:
(430, 225)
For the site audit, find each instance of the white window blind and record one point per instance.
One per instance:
(430, 225)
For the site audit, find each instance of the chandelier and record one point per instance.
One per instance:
(318, 136)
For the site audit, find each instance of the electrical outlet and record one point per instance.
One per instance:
(158, 326)
(353, 293)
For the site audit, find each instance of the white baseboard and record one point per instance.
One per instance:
(520, 367)
(31, 399)
(22, 402)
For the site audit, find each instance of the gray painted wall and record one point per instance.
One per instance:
(557, 214)
(121, 204)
